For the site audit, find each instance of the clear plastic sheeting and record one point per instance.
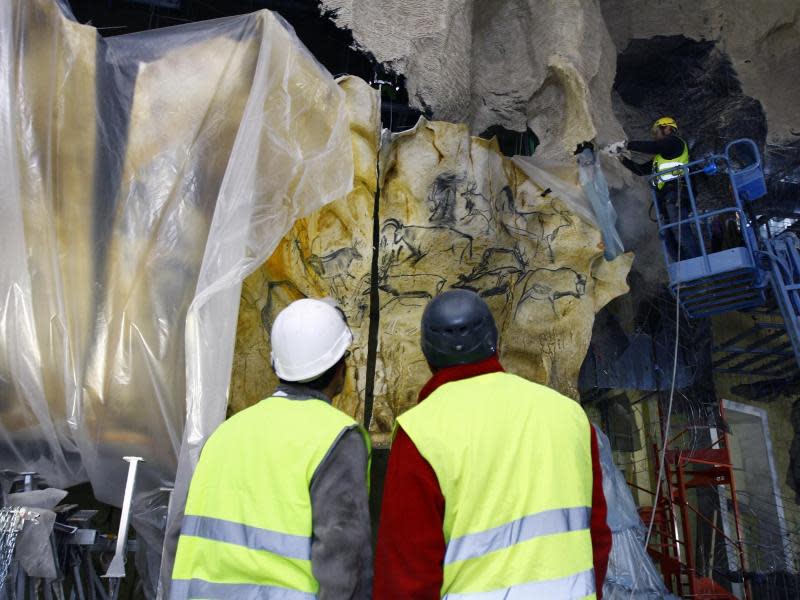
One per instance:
(143, 177)
(595, 186)
(583, 189)
(562, 179)
(631, 574)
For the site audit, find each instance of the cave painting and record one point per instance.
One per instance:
(499, 270)
(454, 214)
(334, 267)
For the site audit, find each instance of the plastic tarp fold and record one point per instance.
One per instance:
(143, 177)
(631, 574)
(583, 189)
(594, 184)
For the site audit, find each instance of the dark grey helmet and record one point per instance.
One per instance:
(458, 329)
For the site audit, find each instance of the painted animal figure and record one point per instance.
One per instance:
(420, 287)
(478, 207)
(549, 285)
(442, 198)
(506, 259)
(533, 224)
(334, 266)
(498, 273)
(420, 240)
(286, 291)
(486, 285)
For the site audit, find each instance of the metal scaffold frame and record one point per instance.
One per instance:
(673, 541)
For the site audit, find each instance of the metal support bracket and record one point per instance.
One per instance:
(117, 567)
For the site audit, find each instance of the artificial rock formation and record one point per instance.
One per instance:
(174, 177)
(454, 214)
(551, 65)
(547, 65)
(61, 63)
(761, 38)
(155, 255)
(136, 186)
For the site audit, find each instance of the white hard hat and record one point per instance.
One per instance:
(308, 337)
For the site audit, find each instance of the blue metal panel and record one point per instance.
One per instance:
(784, 259)
(747, 174)
(725, 261)
(762, 351)
(716, 282)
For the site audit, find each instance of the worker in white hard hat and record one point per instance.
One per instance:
(278, 505)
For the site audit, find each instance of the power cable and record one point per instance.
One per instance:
(666, 430)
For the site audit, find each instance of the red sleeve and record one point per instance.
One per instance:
(601, 534)
(410, 552)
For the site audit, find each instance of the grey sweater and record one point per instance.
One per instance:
(341, 551)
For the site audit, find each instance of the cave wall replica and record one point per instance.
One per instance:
(454, 213)
(432, 208)
(552, 65)
(571, 72)
(710, 71)
(725, 70)
(761, 39)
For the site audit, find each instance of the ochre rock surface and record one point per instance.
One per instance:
(327, 254)
(454, 213)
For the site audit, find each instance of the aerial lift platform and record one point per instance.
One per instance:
(759, 274)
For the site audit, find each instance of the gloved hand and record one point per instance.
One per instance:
(615, 148)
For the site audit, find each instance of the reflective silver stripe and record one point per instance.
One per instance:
(548, 522)
(566, 588)
(667, 166)
(254, 538)
(183, 589)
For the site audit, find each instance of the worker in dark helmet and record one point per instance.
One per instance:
(494, 486)
(668, 151)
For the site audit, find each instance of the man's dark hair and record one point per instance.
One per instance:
(321, 382)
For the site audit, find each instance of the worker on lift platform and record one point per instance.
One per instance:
(669, 151)
(494, 487)
(278, 505)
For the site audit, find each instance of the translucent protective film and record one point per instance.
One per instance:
(143, 177)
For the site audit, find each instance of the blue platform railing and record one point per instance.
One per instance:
(736, 278)
(784, 263)
(715, 282)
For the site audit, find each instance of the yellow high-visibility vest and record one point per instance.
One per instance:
(661, 164)
(513, 460)
(247, 527)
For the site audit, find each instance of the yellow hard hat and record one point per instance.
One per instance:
(664, 122)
